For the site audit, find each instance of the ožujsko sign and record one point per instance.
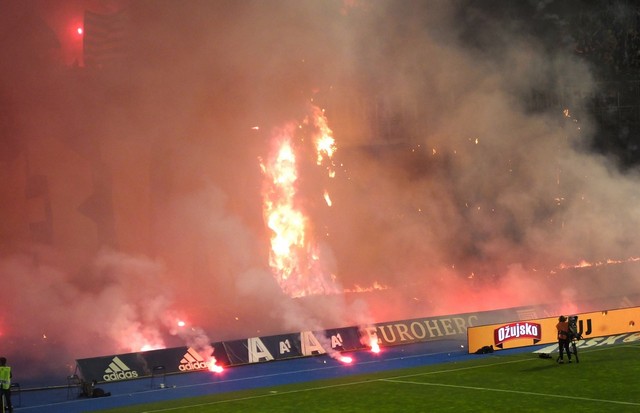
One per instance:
(514, 331)
(543, 330)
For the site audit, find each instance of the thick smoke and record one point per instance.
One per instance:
(131, 196)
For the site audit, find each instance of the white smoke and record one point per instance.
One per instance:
(449, 189)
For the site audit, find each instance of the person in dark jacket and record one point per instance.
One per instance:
(563, 338)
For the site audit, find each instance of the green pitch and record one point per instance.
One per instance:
(605, 380)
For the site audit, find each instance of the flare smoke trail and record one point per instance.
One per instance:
(131, 196)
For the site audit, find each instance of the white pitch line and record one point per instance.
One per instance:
(391, 379)
(559, 396)
(428, 373)
(260, 396)
(168, 409)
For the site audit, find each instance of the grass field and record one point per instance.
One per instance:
(605, 380)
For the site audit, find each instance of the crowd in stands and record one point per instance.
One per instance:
(608, 35)
(605, 33)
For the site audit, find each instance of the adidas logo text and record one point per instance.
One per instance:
(192, 360)
(117, 370)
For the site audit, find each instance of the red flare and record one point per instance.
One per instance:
(345, 359)
(214, 367)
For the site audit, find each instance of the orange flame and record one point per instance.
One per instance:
(376, 286)
(585, 264)
(324, 142)
(294, 258)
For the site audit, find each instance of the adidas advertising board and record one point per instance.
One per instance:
(518, 327)
(281, 347)
(118, 370)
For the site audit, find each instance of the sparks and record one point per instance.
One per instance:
(327, 198)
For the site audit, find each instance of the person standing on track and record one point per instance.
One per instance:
(563, 338)
(5, 384)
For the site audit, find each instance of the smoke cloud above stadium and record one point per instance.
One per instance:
(132, 196)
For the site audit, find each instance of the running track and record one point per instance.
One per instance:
(127, 393)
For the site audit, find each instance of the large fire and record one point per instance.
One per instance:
(323, 139)
(294, 257)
